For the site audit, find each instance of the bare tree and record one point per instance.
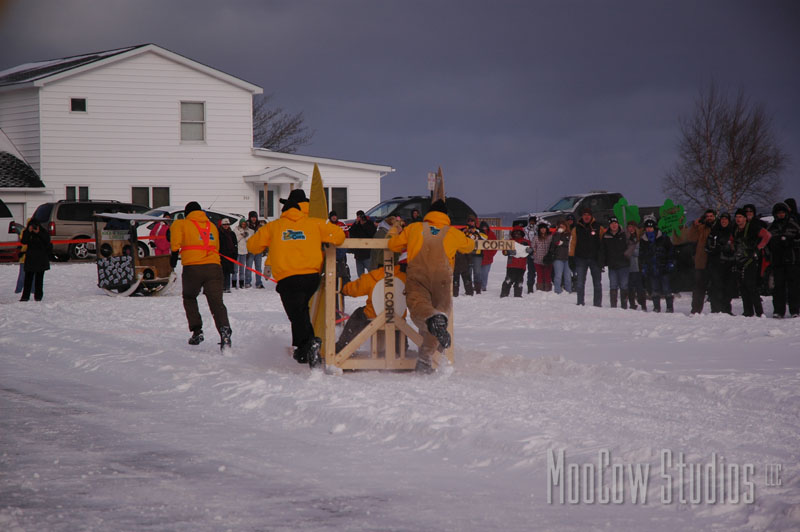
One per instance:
(727, 154)
(276, 130)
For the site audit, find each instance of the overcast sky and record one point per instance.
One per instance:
(519, 102)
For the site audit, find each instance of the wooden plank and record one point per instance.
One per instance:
(495, 245)
(365, 243)
(388, 303)
(360, 338)
(369, 364)
(329, 338)
(409, 331)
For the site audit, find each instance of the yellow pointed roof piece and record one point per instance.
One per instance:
(317, 204)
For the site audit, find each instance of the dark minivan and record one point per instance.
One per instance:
(403, 206)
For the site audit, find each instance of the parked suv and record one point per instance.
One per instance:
(73, 220)
(403, 206)
(176, 213)
(9, 232)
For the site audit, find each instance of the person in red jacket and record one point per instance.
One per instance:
(487, 258)
(515, 268)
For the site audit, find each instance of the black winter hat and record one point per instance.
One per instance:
(780, 206)
(191, 207)
(586, 210)
(252, 214)
(740, 211)
(791, 203)
(439, 206)
(726, 215)
(296, 197)
(749, 207)
(332, 213)
(613, 219)
(650, 222)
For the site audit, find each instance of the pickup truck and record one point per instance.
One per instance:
(601, 202)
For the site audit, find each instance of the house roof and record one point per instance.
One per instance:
(42, 72)
(263, 152)
(15, 173)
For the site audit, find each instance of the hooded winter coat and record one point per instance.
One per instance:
(195, 250)
(37, 255)
(656, 257)
(295, 242)
(785, 242)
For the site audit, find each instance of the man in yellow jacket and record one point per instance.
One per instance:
(432, 247)
(295, 253)
(197, 241)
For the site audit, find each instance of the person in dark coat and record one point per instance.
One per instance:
(785, 249)
(228, 247)
(585, 247)
(636, 291)
(37, 259)
(559, 245)
(793, 214)
(613, 248)
(363, 227)
(719, 248)
(749, 238)
(657, 261)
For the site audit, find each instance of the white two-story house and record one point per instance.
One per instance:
(146, 125)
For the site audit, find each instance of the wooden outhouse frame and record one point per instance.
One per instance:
(394, 356)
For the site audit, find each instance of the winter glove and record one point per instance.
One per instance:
(528, 250)
(173, 259)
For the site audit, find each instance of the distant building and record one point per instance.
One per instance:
(147, 125)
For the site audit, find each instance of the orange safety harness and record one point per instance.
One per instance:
(205, 235)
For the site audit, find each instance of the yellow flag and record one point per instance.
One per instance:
(318, 208)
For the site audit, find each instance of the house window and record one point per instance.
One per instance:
(77, 105)
(77, 193)
(337, 200)
(193, 121)
(150, 196)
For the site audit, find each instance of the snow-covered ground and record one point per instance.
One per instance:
(110, 421)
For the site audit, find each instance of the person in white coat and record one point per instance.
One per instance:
(243, 232)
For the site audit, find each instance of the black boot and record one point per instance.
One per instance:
(530, 288)
(656, 304)
(424, 366)
(505, 288)
(623, 299)
(437, 326)
(613, 296)
(455, 287)
(632, 299)
(669, 300)
(197, 337)
(643, 303)
(225, 337)
(314, 360)
(518, 291)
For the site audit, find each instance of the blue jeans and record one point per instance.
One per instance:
(531, 273)
(618, 278)
(561, 272)
(485, 275)
(20, 278)
(581, 265)
(251, 261)
(474, 267)
(238, 271)
(363, 265)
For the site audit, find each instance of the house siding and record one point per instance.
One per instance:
(19, 120)
(130, 136)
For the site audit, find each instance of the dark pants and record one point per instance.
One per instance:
(514, 277)
(208, 278)
(699, 290)
(636, 292)
(33, 280)
(721, 286)
(296, 291)
(749, 277)
(581, 266)
(354, 325)
(787, 282)
(531, 272)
